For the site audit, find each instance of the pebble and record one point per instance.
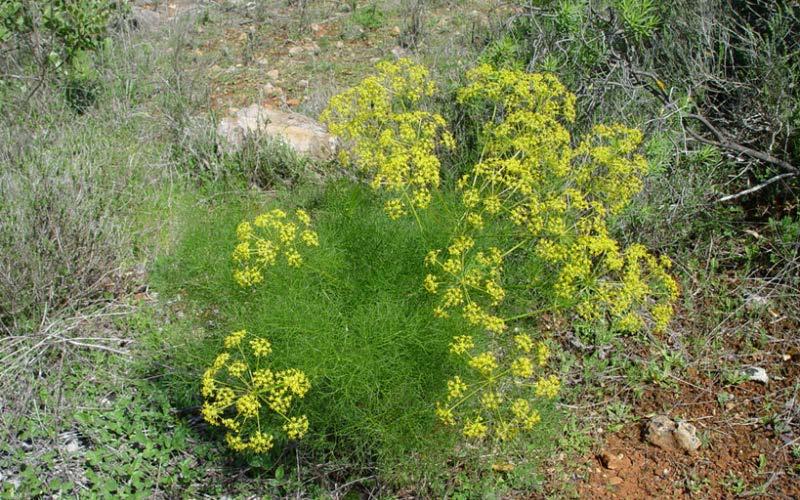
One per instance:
(686, 436)
(614, 461)
(663, 432)
(756, 374)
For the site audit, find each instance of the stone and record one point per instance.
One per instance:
(271, 90)
(273, 74)
(756, 374)
(659, 432)
(615, 481)
(614, 461)
(686, 437)
(311, 47)
(303, 134)
(663, 432)
(303, 83)
(144, 19)
(400, 52)
(756, 302)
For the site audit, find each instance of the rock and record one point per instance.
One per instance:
(340, 45)
(756, 302)
(273, 74)
(311, 47)
(661, 431)
(615, 481)
(686, 437)
(614, 461)
(318, 30)
(303, 83)
(301, 133)
(400, 52)
(756, 374)
(271, 90)
(144, 19)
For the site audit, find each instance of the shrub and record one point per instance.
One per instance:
(73, 190)
(728, 62)
(60, 239)
(59, 36)
(386, 317)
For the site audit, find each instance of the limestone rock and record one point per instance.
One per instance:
(663, 432)
(144, 19)
(306, 136)
(686, 437)
(756, 374)
(659, 432)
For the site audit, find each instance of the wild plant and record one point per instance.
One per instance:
(554, 195)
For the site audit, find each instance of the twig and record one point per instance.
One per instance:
(721, 140)
(724, 143)
(757, 187)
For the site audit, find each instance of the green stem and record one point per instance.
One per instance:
(526, 315)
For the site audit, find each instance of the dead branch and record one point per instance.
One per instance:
(757, 187)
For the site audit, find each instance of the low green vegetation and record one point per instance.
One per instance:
(353, 317)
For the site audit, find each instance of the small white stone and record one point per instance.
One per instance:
(756, 374)
(72, 447)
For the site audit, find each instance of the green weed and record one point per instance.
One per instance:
(354, 318)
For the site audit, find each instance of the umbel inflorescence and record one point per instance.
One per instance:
(249, 399)
(555, 193)
(269, 237)
(391, 137)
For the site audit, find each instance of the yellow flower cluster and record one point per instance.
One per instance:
(462, 275)
(270, 236)
(495, 400)
(239, 389)
(642, 284)
(560, 198)
(388, 136)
